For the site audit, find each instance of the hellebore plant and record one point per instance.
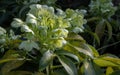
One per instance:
(53, 33)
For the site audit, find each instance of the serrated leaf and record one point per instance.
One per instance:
(66, 53)
(68, 65)
(46, 60)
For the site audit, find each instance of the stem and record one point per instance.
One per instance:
(108, 45)
(48, 70)
(93, 19)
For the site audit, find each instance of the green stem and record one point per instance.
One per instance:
(108, 45)
(48, 70)
(93, 19)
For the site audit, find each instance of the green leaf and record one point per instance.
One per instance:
(28, 45)
(109, 70)
(95, 37)
(109, 27)
(9, 59)
(74, 36)
(68, 65)
(90, 68)
(10, 55)
(11, 65)
(46, 60)
(66, 53)
(111, 59)
(104, 63)
(84, 51)
(100, 28)
(81, 52)
(95, 52)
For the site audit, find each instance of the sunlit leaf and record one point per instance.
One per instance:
(86, 52)
(104, 63)
(10, 55)
(95, 52)
(111, 59)
(109, 70)
(68, 65)
(73, 36)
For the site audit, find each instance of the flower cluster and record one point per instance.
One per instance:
(49, 26)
